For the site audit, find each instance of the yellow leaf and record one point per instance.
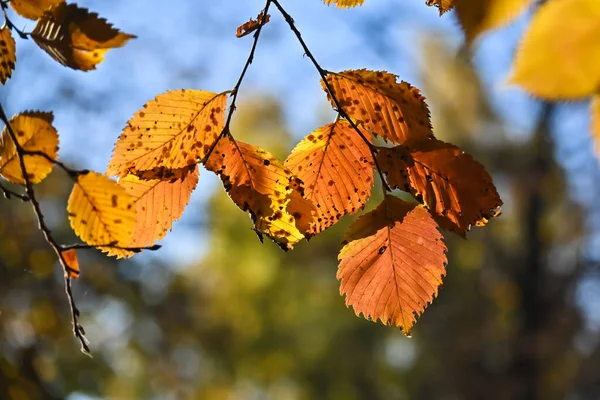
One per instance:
(172, 131)
(595, 126)
(345, 3)
(395, 111)
(158, 203)
(34, 132)
(479, 16)
(393, 263)
(75, 37)
(70, 257)
(336, 167)
(559, 58)
(8, 56)
(33, 9)
(258, 183)
(102, 213)
(443, 5)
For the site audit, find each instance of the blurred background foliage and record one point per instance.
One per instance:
(248, 321)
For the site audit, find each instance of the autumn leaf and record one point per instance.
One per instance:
(559, 57)
(443, 5)
(457, 189)
(250, 26)
(75, 37)
(477, 17)
(34, 132)
(33, 9)
(344, 3)
(336, 167)
(258, 183)
(395, 111)
(393, 263)
(8, 56)
(158, 203)
(172, 131)
(102, 213)
(70, 257)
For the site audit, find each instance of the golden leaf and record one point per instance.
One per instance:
(102, 213)
(477, 17)
(395, 111)
(457, 189)
(158, 203)
(75, 37)
(172, 131)
(8, 55)
(344, 3)
(33, 9)
(336, 167)
(70, 257)
(559, 57)
(393, 263)
(443, 5)
(34, 132)
(258, 183)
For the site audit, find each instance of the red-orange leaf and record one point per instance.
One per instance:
(250, 26)
(258, 183)
(455, 187)
(336, 167)
(70, 257)
(396, 111)
(393, 263)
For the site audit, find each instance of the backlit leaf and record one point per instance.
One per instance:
(158, 203)
(75, 37)
(70, 257)
(34, 132)
(455, 187)
(345, 3)
(171, 131)
(102, 213)
(443, 5)
(559, 57)
(395, 111)
(393, 263)
(258, 183)
(479, 16)
(8, 56)
(33, 9)
(336, 167)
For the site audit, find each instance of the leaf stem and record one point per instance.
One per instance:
(8, 23)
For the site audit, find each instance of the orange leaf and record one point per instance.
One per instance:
(33, 9)
(395, 111)
(455, 187)
(172, 131)
(443, 5)
(345, 3)
(393, 263)
(8, 56)
(250, 26)
(258, 183)
(76, 38)
(70, 257)
(336, 167)
(159, 203)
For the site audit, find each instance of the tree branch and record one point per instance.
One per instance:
(10, 193)
(8, 23)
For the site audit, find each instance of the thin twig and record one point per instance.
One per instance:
(77, 328)
(83, 246)
(236, 88)
(323, 73)
(11, 193)
(73, 173)
(9, 24)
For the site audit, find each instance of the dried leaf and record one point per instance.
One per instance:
(344, 3)
(75, 37)
(393, 263)
(258, 183)
(8, 55)
(559, 57)
(34, 132)
(159, 203)
(443, 5)
(33, 9)
(477, 17)
(336, 167)
(102, 213)
(457, 189)
(395, 111)
(170, 132)
(70, 257)
(250, 26)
